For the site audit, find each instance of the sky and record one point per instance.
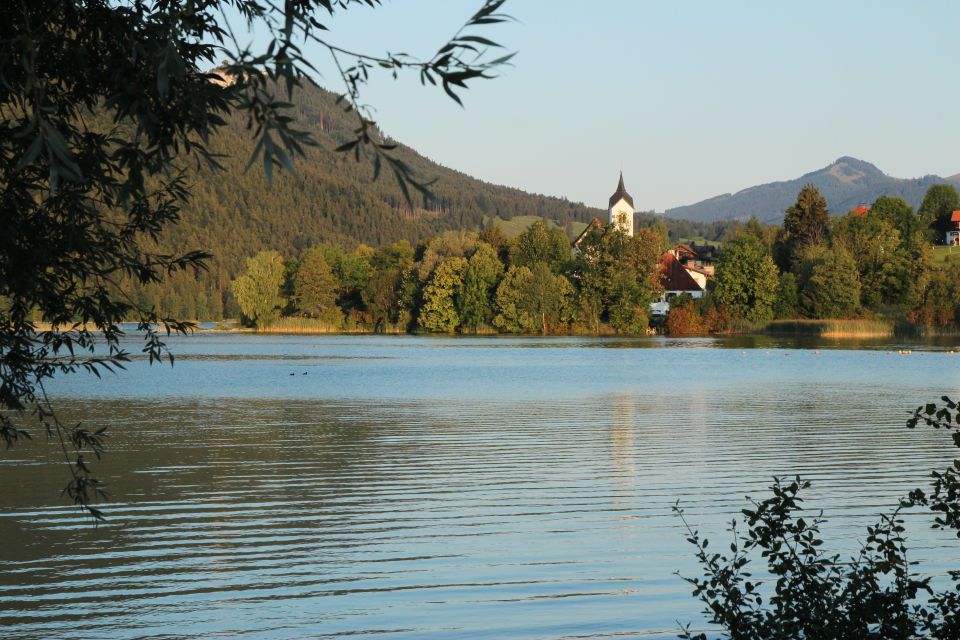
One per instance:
(690, 98)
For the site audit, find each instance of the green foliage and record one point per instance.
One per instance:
(940, 201)
(258, 290)
(449, 244)
(900, 215)
(806, 223)
(314, 287)
(829, 284)
(805, 592)
(615, 276)
(882, 260)
(480, 279)
(389, 293)
(787, 303)
(439, 312)
(532, 299)
(747, 280)
(539, 244)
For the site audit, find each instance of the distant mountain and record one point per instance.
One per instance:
(845, 184)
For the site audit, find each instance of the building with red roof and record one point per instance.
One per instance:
(953, 235)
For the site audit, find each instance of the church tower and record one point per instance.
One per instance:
(621, 209)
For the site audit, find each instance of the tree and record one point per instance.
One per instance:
(747, 280)
(940, 201)
(314, 287)
(439, 311)
(882, 259)
(617, 277)
(899, 214)
(475, 299)
(104, 105)
(788, 299)
(389, 293)
(805, 223)
(829, 283)
(534, 299)
(258, 289)
(540, 244)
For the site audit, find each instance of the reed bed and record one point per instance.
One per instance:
(832, 328)
(307, 325)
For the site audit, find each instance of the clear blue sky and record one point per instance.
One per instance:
(692, 98)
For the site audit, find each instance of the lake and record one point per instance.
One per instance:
(412, 487)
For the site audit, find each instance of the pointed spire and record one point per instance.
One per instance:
(621, 192)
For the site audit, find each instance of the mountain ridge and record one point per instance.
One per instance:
(845, 183)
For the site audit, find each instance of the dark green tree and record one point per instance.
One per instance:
(314, 287)
(805, 223)
(940, 201)
(900, 214)
(829, 283)
(389, 293)
(787, 303)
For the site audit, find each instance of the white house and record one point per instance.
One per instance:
(953, 235)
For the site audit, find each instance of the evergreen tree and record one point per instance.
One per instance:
(806, 223)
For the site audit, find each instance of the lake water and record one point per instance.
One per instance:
(405, 487)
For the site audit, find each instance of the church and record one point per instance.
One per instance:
(621, 209)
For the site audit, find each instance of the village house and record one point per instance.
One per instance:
(953, 235)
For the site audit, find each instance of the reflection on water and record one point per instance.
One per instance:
(416, 488)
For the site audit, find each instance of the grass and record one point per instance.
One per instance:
(832, 328)
(518, 224)
(943, 253)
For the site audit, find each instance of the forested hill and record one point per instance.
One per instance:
(333, 198)
(845, 184)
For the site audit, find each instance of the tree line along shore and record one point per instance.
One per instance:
(870, 272)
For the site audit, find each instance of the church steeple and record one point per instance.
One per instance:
(621, 208)
(621, 192)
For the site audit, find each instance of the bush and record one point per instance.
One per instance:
(807, 593)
